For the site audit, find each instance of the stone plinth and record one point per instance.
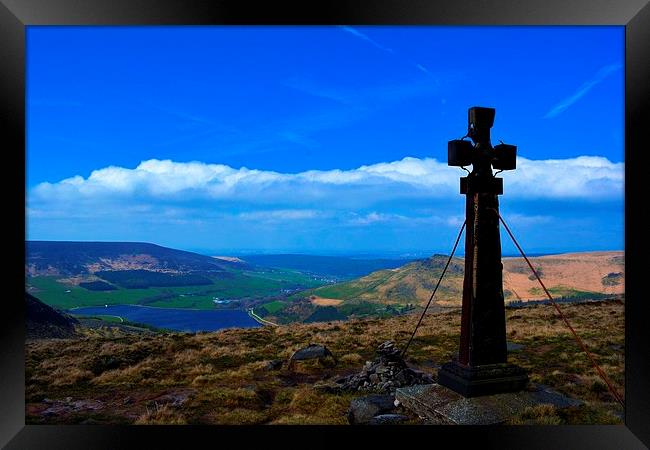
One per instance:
(437, 404)
(473, 381)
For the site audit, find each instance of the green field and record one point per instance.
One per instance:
(235, 285)
(274, 306)
(102, 317)
(352, 289)
(567, 292)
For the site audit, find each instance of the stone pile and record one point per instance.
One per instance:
(385, 374)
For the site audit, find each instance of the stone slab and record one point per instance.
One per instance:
(513, 346)
(437, 404)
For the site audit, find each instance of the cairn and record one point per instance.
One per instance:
(384, 374)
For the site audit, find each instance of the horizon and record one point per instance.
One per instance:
(360, 254)
(325, 139)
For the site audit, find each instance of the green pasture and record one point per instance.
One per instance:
(234, 285)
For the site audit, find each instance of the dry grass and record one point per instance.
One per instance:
(160, 415)
(225, 377)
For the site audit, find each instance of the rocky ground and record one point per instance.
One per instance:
(271, 375)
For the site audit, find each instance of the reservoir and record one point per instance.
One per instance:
(177, 319)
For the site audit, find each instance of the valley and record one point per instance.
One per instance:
(283, 289)
(163, 343)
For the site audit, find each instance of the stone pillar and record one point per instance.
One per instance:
(481, 366)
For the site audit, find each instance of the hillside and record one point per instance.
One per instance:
(43, 322)
(76, 274)
(62, 258)
(240, 376)
(589, 274)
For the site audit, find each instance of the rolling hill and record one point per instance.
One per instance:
(566, 275)
(63, 258)
(76, 274)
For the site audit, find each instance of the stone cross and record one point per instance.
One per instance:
(481, 366)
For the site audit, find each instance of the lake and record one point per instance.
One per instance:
(189, 320)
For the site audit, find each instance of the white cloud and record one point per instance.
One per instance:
(375, 217)
(365, 37)
(280, 215)
(584, 177)
(603, 73)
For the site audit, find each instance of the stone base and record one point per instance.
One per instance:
(436, 404)
(482, 380)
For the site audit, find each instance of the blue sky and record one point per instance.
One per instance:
(319, 139)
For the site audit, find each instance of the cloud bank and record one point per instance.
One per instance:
(584, 177)
(407, 204)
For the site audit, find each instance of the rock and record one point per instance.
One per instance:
(386, 373)
(275, 364)
(513, 347)
(87, 405)
(312, 351)
(387, 419)
(401, 377)
(363, 409)
(388, 350)
(174, 399)
(438, 404)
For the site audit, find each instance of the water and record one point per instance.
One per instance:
(189, 320)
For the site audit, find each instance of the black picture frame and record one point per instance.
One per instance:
(15, 15)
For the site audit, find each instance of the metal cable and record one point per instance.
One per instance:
(460, 233)
(566, 321)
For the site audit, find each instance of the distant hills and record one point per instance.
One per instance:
(77, 274)
(288, 288)
(335, 266)
(566, 275)
(62, 258)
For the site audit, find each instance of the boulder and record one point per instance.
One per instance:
(388, 419)
(312, 351)
(363, 409)
(275, 364)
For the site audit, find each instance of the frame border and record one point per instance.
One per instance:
(15, 15)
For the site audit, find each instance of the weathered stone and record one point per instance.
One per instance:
(402, 377)
(275, 364)
(513, 347)
(544, 394)
(384, 374)
(174, 399)
(312, 351)
(388, 419)
(388, 349)
(363, 409)
(438, 404)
